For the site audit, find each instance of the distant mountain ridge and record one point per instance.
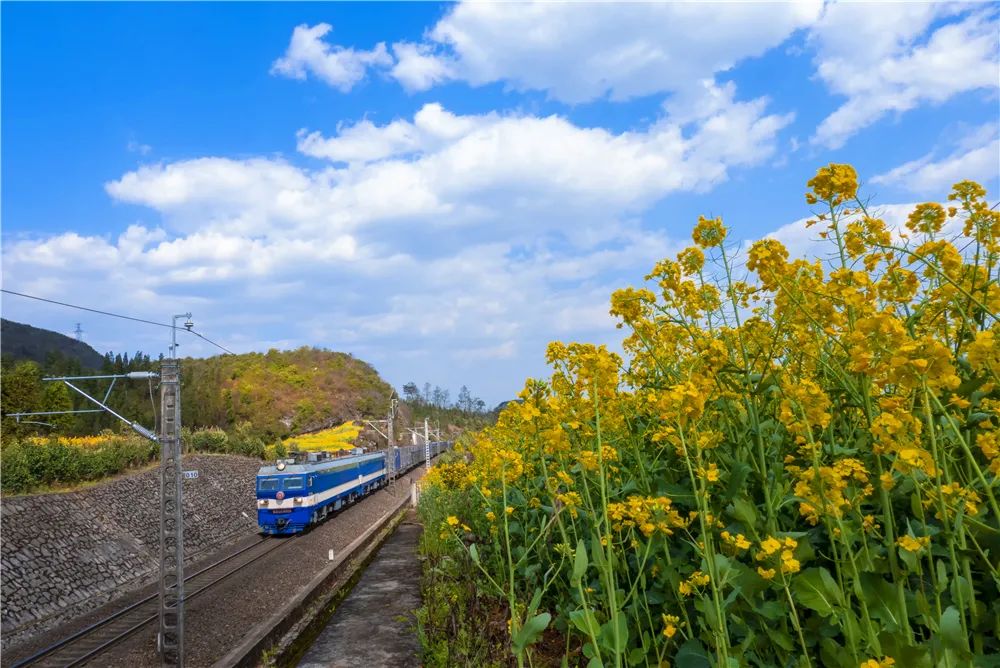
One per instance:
(24, 342)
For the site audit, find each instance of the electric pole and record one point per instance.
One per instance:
(391, 453)
(170, 640)
(79, 332)
(427, 445)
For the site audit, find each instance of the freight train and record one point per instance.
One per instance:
(302, 490)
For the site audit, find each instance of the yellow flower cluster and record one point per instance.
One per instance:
(647, 513)
(693, 583)
(884, 662)
(86, 442)
(830, 490)
(739, 541)
(709, 232)
(341, 437)
(912, 544)
(670, 624)
(771, 546)
(952, 494)
(835, 184)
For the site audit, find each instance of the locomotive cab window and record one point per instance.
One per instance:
(268, 484)
(295, 482)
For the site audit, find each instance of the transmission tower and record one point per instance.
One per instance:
(79, 332)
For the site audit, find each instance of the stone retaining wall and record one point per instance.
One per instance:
(66, 551)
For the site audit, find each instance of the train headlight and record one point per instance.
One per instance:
(281, 465)
(262, 503)
(297, 501)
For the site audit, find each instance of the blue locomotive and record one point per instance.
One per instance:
(300, 491)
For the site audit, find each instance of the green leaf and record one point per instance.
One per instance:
(474, 553)
(530, 632)
(908, 558)
(608, 638)
(535, 601)
(771, 610)
(779, 638)
(950, 628)
(942, 576)
(597, 552)
(579, 563)
(962, 591)
(833, 655)
(692, 655)
(744, 512)
(585, 621)
(816, 589)
(882, 601)
(723, 566)
(738, 474)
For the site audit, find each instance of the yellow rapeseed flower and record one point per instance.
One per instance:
(670, 625)
(884, 662)
(709, 232)
(911, 544)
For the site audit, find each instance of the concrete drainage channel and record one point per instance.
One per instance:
(282, 639)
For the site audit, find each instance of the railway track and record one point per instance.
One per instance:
(84, 645)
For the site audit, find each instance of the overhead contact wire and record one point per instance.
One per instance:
(118, 315)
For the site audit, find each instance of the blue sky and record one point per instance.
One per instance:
(442, 189)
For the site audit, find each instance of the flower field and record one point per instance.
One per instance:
(334, 438)
(58, 461)
(796, 462)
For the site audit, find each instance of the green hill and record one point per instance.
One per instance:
(24, 342)
(280, 392)
(267, 395)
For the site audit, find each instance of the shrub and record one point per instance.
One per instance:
(212, 439)
(35, 463)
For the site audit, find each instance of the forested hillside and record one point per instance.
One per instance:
(276, 393)
(281, 392)
(24, 342)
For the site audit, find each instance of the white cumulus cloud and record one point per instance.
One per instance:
(473, 237)
(977, 157)
(338, 66)
(581, 52)
(418, 67)
(892, 57)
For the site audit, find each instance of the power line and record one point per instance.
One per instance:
(92, 310)
(219, 346)
(117, 315)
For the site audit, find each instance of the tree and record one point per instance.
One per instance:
(411, 393)
(57, 398)
(20, 392)
(464, 401)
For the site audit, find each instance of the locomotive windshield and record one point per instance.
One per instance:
(268, 483)
(294, 482)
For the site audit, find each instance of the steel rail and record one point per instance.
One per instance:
(138, 625)
(118, 614)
